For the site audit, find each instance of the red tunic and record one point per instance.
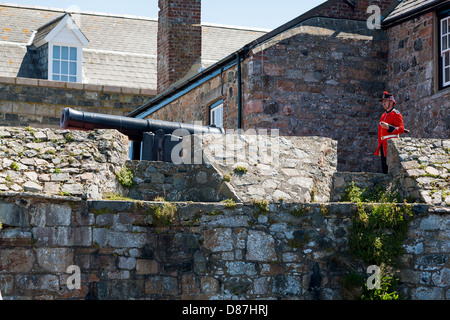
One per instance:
(395, 120)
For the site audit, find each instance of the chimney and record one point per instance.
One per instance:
(179, 40)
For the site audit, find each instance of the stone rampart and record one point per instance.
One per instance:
(274, 168)
(177, 182)
(207, 251)
(363, 180)
(61, 163)
(421, 169)
(39, 103)
(279, 247)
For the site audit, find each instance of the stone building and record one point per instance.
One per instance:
(419, 64)
(322, 74)
(54, 58)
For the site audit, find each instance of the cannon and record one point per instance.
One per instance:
(158, 137)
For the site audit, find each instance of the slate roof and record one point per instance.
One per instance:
(44, 30)
(122, 50)
(406, 8)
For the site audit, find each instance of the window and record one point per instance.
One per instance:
(216, 115)
(64, 63)
(444, 43)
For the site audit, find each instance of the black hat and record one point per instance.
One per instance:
(388, 96)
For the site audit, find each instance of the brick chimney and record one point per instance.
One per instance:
(179, 39)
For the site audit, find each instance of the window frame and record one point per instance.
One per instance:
(443, 54)
(216, 108)
(79, 53)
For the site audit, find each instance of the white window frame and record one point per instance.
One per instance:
(79, 65)
(216, 114)
(444, 37)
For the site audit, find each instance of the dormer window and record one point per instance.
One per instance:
(60, 46)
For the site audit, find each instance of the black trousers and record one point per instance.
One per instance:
(384, 166)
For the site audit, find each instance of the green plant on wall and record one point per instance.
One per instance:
(163, 214)
(240, 170)
(386, 291)
(125, 177)
(229, 203)
(262, 205)
(69, 137)
(352, 194)
(377, 234)
(354, 286)
(14, 166)
(377, 194)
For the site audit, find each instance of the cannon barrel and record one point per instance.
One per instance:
(131, 127)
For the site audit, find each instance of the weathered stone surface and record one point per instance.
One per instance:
(429, 182)
(294, 169)
(218, 239)
(40, 167)
(286, 286)
(35, 282)
(32, 186)
(100, 236)
(260, 246)
(441, 278)
(55, 215)
(210, 250)
(54, 259)
(196, 182)
(126, 240)
(426, 293)
(14, 260)
(76, 189)
(433, 222)
(144, 266)
(13, 215)
(209, 285)
(127, 263)
(261, 258)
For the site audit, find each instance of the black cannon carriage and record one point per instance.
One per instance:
(158, 138)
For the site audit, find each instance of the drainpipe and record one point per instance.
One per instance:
(239, 76)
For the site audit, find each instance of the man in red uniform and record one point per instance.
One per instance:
(390, 126)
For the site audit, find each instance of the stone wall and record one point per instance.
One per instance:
(243, 168)
(421, 169)
(61, 163)
(414, 78)
(363, 180)
(425, 274)
(177, 182)
(209, 251)
(290, 248)
(194, 106)
(39, 103)
(274, 168)
(302, 87)
(322, 78)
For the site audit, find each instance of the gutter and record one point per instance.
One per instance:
(196, 80)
